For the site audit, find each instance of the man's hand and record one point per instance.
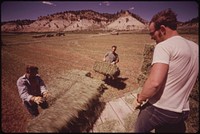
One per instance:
(38, 100)
(136, 105)
(45, 94)
(113, 62)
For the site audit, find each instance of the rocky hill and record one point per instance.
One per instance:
(190, 26)
(87, 20)
(77, 20)
(126, 22)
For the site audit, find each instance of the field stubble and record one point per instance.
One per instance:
(55, 56)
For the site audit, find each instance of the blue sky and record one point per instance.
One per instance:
(14, 10)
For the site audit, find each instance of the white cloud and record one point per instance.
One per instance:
(132, 8)
(106, 3)
(48, 3)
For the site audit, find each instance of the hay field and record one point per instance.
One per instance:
(55, 56)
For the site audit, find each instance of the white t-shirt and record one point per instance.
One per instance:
(182, 57)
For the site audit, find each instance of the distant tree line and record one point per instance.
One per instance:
(90, 15)
(19, 22)
(194, 20)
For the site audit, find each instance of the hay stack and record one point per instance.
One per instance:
(106, 69)
(147, 59)
(148, 56)
(76, 110)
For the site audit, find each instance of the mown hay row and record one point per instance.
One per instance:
(75, 111)
(56, 91)
(106, 68)
(66, 81)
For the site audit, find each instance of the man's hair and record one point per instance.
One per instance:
(114, 46)
(166, 17)
(31, 69)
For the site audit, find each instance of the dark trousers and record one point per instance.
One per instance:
(163, 121)
(33, 108)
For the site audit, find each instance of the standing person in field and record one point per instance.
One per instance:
(173, 74)
(112, 56)
(32, 90)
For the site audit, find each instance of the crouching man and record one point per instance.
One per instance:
(32, 90)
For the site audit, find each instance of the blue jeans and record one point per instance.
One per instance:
(163, 121)
(33, 109)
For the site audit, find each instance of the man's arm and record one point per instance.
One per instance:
(42, 84)
(117, 59)
(155, 81)
(23, 91)
(104, 58)
(44, 91)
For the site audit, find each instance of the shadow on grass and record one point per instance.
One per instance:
(116, 83)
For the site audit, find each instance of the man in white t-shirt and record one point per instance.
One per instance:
(173, 74)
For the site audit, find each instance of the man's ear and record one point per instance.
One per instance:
(163, 29)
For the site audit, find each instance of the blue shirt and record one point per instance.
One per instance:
(29, 89)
